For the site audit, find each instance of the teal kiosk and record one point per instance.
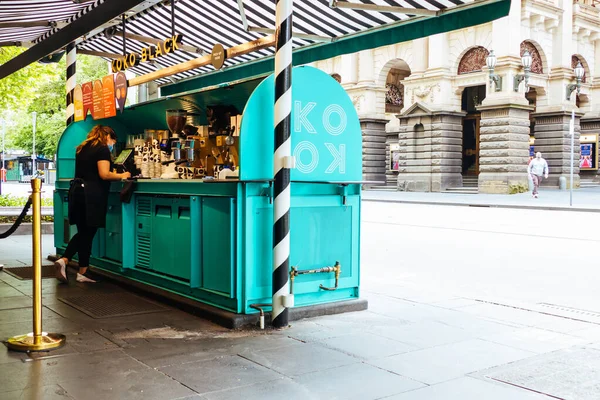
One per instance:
(209, 242)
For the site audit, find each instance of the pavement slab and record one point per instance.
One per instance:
(299, 359)
(225, 372)
(467, 388)
(361, 382)
(451, 361)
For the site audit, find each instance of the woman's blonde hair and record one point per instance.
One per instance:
(98, 136)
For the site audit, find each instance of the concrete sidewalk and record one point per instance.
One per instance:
(586, 200)
(410, 345)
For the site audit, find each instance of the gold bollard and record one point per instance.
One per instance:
(38, 340)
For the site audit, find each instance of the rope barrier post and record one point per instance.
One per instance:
(282, 161)
(38, 340)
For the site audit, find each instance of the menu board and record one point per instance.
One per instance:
(78, 102)
(108, 94)
(121, 90)
(87, 90)
(98, 109)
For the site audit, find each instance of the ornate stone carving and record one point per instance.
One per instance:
(356, 100)
(473, 60)
(537, 66)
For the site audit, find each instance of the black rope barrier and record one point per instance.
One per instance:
(18, 222)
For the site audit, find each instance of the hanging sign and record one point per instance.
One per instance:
(121, 90)
(108, 94)
(148, 53)
(98, 108)
(87, 90)
(78, 102)
(217, 56)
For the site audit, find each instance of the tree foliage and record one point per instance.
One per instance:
(41, 88)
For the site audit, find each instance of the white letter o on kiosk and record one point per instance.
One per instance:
(334, 130)
(314, 153)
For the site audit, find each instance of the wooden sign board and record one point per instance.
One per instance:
(78, 102)
(108, 94)
(148, 53)
(98, 96)
(87, 90)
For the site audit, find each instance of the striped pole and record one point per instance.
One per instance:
(282, 156)
(71, 81)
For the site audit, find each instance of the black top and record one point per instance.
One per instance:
(95, 191)
(86, 162)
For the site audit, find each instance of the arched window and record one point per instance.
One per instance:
(537, 66)
(337, 77)
(473, 60)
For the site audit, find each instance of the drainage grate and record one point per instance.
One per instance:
(26, 273)
(571, 310)
(107, 305)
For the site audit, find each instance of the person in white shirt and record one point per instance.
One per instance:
(538, 168)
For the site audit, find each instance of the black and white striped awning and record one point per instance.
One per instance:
(204, 23)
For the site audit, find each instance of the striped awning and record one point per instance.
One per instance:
(204, 23)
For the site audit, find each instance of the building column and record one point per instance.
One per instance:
(553, 140)
(504, 148)
(446, 150)
(430, 150)
(374, 146)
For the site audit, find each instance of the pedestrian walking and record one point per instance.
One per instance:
(538, 169)
(88, 198)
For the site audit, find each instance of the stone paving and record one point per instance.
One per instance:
(587, 199)
(411, 344)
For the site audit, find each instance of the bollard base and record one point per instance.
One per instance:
(49, 341)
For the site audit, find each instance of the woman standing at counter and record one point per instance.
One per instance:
(88, 198)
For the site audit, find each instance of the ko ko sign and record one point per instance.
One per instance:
(333, 121)
(148, 53)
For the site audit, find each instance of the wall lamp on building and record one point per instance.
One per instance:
(526, 61)
(491, 64)
(579, 72)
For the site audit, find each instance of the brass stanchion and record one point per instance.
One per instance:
(38, 340)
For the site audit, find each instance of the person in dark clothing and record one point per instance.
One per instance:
(88, 198)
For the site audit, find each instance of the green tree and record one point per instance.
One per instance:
(48, 99)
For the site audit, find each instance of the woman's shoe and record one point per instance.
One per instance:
(84, 279)
(61, 270)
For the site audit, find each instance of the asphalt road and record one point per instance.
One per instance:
(492, 254)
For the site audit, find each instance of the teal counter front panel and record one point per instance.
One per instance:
(322, 232)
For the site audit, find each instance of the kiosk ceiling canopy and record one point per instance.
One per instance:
(329, 27)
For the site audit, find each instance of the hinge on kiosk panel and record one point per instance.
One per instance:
(343, 190)
(268, 192)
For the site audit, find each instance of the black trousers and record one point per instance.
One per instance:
(81, 243)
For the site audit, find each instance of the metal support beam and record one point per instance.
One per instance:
(243, 14)
(150, 40)
(314, 38)
(203, 61)
(375, 7)
(27, 24)
(99, 54)
(99, 15)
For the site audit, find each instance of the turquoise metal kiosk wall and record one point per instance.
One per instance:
(212, 241)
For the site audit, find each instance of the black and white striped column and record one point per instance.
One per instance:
(71, 81)
(282, 157)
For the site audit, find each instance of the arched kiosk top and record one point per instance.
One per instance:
(326, 135)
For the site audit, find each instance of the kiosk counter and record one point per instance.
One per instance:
(205, 229)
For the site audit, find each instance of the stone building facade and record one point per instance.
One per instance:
(432, 119)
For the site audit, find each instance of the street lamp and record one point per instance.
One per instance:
(579, 72)
(526, 61)
(491, 64)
